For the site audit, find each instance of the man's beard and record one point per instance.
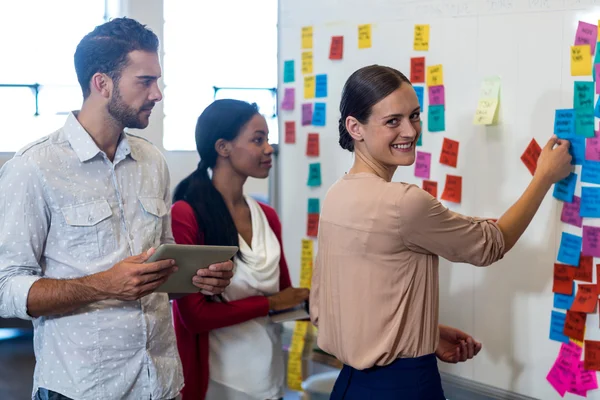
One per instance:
(125, 115)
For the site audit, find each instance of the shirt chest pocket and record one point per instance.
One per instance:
(153, 209)
(88, 230)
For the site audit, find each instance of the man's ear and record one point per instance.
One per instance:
(223, 148)
(353, 128)
(101, 84)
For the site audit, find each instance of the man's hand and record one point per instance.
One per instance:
(456, 346)
(214, 279)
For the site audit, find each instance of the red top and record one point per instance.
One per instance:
(194, 317)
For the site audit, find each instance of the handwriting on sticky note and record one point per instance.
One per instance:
(449, 153)
(289, 99)
(420, 91)
(312, 145)
(307, 114)
(587, 34)
(319, 115)
(437, 95)
(564, 301)
(417, 70)
(485, 114)
(583, 94)
(570, 249)
(558, 378)
(590, 172)
(530, 155)
(290, 132)
(435, 75)
(289, 74)
(312, 225)
(423, 165)
(564, 190)
(557, 326)
(490, 88)
(590, 202)
(564, 123)
(591, 240)
(314, 206)
(592, 148)
(587, 379)
(581, 60)
(575, 324)
(336, 49)
(586, 298)
(453, 189)
(584, 272)
(430, 187)
(591, 355)
(307, 62)
(421, 38)
(321, 86)
(314, 174)
(307, 37)
(309, 87)
(577, 150)
(584, 122)
(563, 279)
(364, 36)
(436, 119)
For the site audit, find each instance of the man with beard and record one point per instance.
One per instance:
(81, 210)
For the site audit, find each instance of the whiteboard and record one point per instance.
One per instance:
(527, 43)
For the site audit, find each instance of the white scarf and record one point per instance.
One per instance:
(248, 357)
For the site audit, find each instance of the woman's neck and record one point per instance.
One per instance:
(230, 185)
(362, 163)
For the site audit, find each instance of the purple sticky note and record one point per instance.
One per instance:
(587, 34)
(423, 165)
(307, 111)
(437, 96)
(591, 241)
(592, 147)
(289, 99)
(570, 212)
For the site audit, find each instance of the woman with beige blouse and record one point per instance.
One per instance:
(374, 291)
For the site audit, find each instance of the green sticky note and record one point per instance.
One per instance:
(314, 174)
(288, 71)
(436, 118)
(314, 206)
(583, 95)
(584, 122)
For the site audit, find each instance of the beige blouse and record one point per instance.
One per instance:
(374, 295)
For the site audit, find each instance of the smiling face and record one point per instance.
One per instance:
(251, 153)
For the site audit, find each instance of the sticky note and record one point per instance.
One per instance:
(312, 145)
(570, 249)
(420, 139)
(587, 34)
(307, 62)
(420, 91)
(435, 75)
(314, 174)
(490, 88)
(417, 70)
(586, 298)
(289, 99)
(436, 119)
(309, 87)
(584, 272)
(307, 114)
(584, 123)
(597, 77)
(564, 123)
(437, 95)
(312, 225)
(581, 60)
(364, 36)
(575, 324)
(597, 109)
(583, 95)
(290, 132)
(570, 212)
(486, 112)
(592, 148)
(590, 172)
(557, 325)
(449, 153)
(590, 202)
(564, 301)
(307, 37)
(321, 85)
(319, 115)
(421, 39)
(591, 355)
(587, 379)
(430, 187)
(591, 239)
(336, 49)
(530, 155)
(314, 206)
(423, 165)
(289, 74)
(559, 378)
(577, 150)
(563, 279)
(453, 189)
(565, 189)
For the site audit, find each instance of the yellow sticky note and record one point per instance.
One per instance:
(421, 40)
(307, 62)
(486, 112)
(364, 36)
(307, 37)
(435, 75)
(306, 263)
(581, 60)
(294, 371)
(309, 87)
(577, 342)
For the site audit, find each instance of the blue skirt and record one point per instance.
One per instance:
(405, 378)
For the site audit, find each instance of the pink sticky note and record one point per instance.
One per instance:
(559, 378)
(289, 99)
(572, 353)
(570, 212)
(587, 34)
(437, 95)
(586, 380)
(592, 147)
(423, 165)
(591, 241)
(307, 111)
(597, 69)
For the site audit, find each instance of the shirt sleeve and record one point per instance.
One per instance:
(426, 226)
(167, 230)
(24, 224)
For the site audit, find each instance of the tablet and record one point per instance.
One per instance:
(189, 259)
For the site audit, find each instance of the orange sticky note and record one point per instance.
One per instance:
(312, 145)
(453, 189)
(591, 355)
(531, 155)
(312, 225)
(417, 70)
(290, 131)
(563, 279)
(584, 272)
(430, 187)
(449, 155)
(586, 298)
(575, 324)
(336, 50)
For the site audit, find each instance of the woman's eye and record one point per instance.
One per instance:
(415, 116)
(393, 121)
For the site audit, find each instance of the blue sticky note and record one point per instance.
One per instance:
(584, 122)
(314, 174)
(420, 140)
(590, 202)
(597, 109)
(583, 95)
(314, 206)
(289, 74)
(557, 326)
(577, 150)
(564, 301)
(321, 85)
(564, 123)
(420, 90)
(570, 249)
(565, 189)
(319, 114)
(590, 172)
(436, 118)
